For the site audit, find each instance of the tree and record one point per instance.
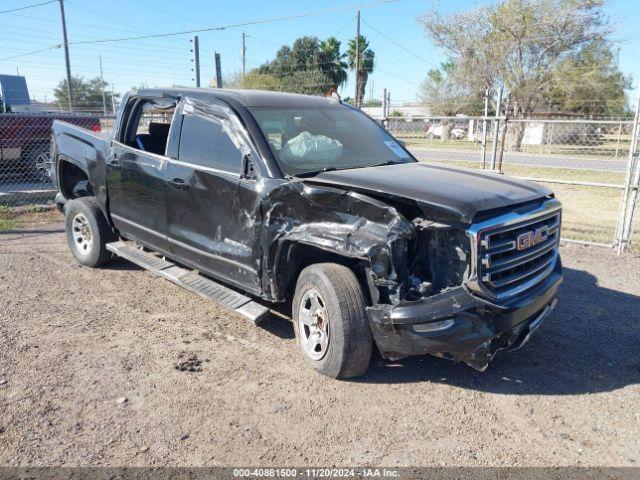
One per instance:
(591, 83)
(309, 66)
(253, 80)
(365, 63)
(518, 44)
(332, 61)
(86, 94)
(448, 97)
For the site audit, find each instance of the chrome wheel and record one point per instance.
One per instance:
(313, 325)
(82, 236)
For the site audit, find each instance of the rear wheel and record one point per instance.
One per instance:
(330, 321)
(87, 231)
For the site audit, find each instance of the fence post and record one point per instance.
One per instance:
(618, 140)
(484, 128)
(503, 139)
(385, 123)
(497, 129)
(630, 193)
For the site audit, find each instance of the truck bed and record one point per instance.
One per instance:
(85, 149)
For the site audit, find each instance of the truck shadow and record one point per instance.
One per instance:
(119, 263)
(589, 344)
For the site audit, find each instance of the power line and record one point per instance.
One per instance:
(31, 52)
(131, 28)
(210, 29)
(236, 25)
(29, 6)
(166, 12)
(399, 44)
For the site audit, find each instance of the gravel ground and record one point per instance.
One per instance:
(117, 367)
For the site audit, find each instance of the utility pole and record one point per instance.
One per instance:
(357, 96)
(196, 59)
(104, 98)
(66, 53)
(113, 101)
(218, 70)
(244, 55)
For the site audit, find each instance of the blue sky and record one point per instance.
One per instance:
(166, 61)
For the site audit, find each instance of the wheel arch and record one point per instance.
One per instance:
(293, 256)
(69, 174)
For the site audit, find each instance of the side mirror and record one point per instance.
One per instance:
(249, 170)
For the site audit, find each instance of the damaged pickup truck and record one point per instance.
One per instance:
(254, 198)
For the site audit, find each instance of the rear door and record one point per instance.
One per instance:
(136, 172)
(211, 211)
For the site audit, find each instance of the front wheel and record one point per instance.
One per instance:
(330, 321)
(87, 231)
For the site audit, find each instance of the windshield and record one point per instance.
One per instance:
(312, 140)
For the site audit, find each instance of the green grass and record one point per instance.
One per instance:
(596, 176)
(7, 224)
(6, 220)
(588, 213)
(15, 218)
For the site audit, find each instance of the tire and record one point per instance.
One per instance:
(330, 321)
(29, 168)
(87, 231)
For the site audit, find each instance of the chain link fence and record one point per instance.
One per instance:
(584, 161)
(25, 143)
(591, 165)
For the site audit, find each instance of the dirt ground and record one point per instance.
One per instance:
(117, 367)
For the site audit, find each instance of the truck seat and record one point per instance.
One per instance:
(156, 140)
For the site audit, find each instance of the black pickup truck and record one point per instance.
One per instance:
(260, 198)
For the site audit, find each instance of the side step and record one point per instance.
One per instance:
(190, 280)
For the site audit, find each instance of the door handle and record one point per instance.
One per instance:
(114, 165)
(179, 183)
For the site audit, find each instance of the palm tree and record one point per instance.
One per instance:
(332, 62)
(365, 64)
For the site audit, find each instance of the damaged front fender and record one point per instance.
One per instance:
(336, 221)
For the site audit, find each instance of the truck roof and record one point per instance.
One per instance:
(247, 98)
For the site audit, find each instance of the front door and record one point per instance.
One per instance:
(136, 174)
(211, 220)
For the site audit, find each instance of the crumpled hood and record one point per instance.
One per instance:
(462, 192)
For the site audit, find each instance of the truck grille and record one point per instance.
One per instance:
(516, 254)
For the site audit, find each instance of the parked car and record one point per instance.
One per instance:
(436, 130)
(25, 135)
(25, 141)
(257, 198)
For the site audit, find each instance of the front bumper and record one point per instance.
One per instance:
(460, 326)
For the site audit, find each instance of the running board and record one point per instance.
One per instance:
(191, 280)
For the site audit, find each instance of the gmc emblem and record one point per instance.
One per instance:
(529, 239)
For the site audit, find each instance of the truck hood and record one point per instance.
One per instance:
(460, 192)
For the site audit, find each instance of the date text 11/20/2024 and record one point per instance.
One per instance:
(316, 472)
